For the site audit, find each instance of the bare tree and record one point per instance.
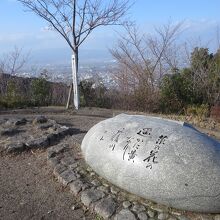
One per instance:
(144, 59)
(149, 55)
(13, 61)
(75, 20)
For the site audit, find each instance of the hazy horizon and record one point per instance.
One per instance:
(26, 30)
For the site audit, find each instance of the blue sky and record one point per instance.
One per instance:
(27, 30)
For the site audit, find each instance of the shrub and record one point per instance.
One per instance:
(40, 89)
(201, 111)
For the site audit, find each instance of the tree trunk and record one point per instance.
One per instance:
(74, 85)
(75, 79)
(69, 96)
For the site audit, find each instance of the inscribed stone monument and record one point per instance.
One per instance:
(165, 161)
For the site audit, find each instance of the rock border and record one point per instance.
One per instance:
(105, 199)
(41, 123)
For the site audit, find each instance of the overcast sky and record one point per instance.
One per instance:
(27, 30)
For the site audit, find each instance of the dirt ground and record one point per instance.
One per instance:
(27, 187)
(28, 191)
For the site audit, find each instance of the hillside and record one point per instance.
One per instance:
(21, 88)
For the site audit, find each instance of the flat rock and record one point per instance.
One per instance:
(76, 187)
(125, 214)
(57, 149)
(126, 204)
(142, 216)
(165, 161)
(67, 177)
(14, 121)
(8, 131)
(40, 119)
(106, 207)
(138, 208)
(15, 147)
(38, 142)
(163, 216)
(91, 195)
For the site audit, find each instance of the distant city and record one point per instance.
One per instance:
(57, 64)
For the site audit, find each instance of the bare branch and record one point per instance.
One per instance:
(14, 61)
(147, 58)
(75, 20)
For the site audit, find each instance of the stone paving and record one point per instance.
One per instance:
(102, 197)
(17, 135)
(69, 168)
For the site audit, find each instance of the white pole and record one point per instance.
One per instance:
(75, 83)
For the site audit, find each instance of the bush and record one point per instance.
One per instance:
(201, 111)
(40, 88)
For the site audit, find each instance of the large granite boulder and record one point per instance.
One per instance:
(166, 161)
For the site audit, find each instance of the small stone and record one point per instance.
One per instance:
(50, 154)
(183, 217)
(92, 174)
(74, 207)
(73, 166)
(40, 119)
(83, 172)
(15, 147)
(52, 138)
(54, 161)
(79, 169)
(68, 161)
(126, 204)
(63, 131)
(57, 149)
(147, 203)
(106, 207)
(138, 208)
(76, 187)
(157, 208)
(96, 183)
(217, 217)
(39, 142)
(125, 214)
(59, 168)
(171, 218)
(90, 196)
(142, 216)
(8, 131)
(105, 184)
(163, 216)
(150, 213)
(114, 190)
(175, 212)
(103, 189)
(89, 169)
(66, 177)
(22, 121)
(86, 186)
(45, 126)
